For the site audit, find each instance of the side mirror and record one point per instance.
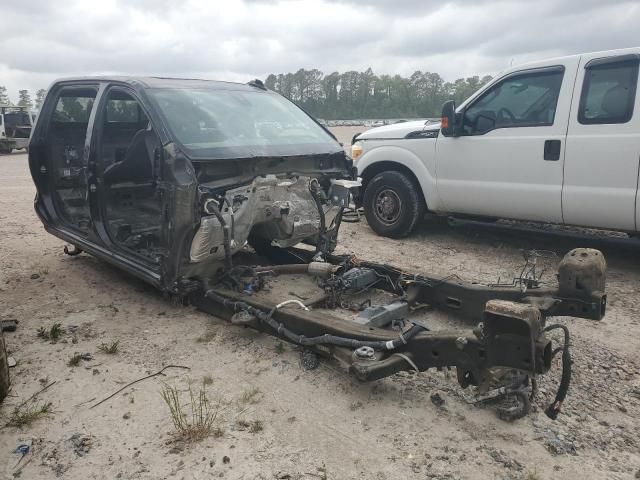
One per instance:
(449, 120)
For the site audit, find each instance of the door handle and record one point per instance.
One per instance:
(552, 150)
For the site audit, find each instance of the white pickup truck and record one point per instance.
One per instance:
(15, 128)
(556, 141)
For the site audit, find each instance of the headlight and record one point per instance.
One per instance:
(356, 151)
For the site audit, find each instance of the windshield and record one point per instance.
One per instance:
(240, 123)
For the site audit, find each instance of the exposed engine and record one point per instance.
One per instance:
(275, 210)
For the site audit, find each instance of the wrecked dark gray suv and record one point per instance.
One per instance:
(166, 177)
(171, 179)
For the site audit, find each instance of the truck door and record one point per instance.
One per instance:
(603, 144)
(65, 156)
(127, 155)
(508, 160)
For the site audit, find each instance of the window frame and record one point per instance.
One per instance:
(531, 71)
(604, 63)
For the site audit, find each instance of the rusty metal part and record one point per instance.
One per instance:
(582, 269)
(510, 331)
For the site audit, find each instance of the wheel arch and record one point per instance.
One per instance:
(374, 169)
(418, 166)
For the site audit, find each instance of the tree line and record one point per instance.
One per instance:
(358, 95)
(348, 95)
(24, 98)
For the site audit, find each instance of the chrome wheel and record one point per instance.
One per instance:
(387, 206)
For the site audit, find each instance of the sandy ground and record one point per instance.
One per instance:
(316, 424)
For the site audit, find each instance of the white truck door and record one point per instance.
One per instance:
(508, 160)
(603, 144)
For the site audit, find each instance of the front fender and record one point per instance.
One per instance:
(423, 166)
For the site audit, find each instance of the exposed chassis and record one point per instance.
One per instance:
(510, 332)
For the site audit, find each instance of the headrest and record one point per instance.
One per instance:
(614, 102)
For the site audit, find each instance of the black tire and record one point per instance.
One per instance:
(4, 369)
(393, 204)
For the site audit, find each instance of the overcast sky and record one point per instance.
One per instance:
(242, 39)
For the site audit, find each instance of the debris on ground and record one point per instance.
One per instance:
(437, 399)
(81, 443)
(10, 325)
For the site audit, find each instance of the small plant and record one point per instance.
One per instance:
(109, 348)
(250, 396)
(75, 359)
(207, 380)
(242, 424)
(24, 415)
(54, 333)
(280, 348)
(200, 424)
(256, 426)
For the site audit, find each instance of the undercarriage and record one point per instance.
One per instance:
(378, 320)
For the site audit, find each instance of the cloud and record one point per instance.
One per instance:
(239, 40)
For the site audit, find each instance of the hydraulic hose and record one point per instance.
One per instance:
(554, 408)
(326, 339)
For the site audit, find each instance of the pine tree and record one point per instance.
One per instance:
(40, 94)
(4, 98)
(25, 99)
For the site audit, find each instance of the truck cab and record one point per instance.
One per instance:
(556, 141)
(168, 178)
(15, 128)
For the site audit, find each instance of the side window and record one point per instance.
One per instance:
(521, 100)
(73, 109)
(123, 111)
(123, 118)
(608, 92)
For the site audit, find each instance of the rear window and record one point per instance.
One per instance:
(17, 119)
(608, 92)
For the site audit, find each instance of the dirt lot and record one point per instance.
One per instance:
(316, 424)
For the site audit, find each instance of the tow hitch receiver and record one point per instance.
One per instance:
(378, 320)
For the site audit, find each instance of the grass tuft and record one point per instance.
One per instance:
(54, 333)
(75, 359)
(207, 380)
(109, 348)
(250, 396)
(279, 348)
(199, 423)
(256, 426)
(25, 415)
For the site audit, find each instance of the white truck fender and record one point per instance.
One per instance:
(423, 170)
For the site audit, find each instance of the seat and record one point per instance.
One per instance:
(137, 164)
